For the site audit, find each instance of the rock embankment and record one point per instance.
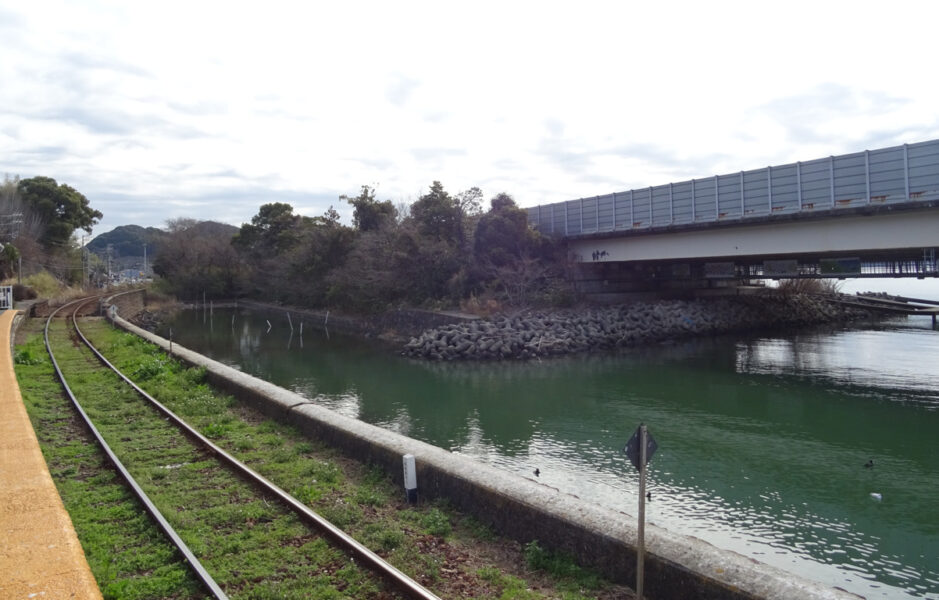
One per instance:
(543, 334)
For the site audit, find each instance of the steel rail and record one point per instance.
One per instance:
(151, 508)
(402, 582)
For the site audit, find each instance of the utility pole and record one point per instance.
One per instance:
(109, 265)
(84, 260)
(145, 261)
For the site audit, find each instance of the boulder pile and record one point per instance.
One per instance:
(542, 334)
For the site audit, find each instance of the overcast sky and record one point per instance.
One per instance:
(198, 109)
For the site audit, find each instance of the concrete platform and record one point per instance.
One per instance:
(40, 556)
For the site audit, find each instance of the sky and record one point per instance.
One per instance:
(207, 110)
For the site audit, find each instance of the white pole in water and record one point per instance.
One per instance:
(640, 542)
(290, 322)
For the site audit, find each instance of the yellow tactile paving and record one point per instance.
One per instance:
(40, 557)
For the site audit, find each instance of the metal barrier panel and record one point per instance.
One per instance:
(729, 195)
(887, 175)
(755, 193)
(924, 176)
(6, 297)
(899, 174)
(816, 187)
(705, 200)
(849, 180)
(784, 186)
(661, 206)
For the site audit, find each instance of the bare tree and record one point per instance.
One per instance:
(18, 221)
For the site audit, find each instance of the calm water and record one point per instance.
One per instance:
(762, 440)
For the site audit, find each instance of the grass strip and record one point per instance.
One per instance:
(128, 555)
(224, 519)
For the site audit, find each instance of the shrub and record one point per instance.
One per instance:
(436, 523)
(23, 292)
(44, 284)
(25, 357)
(809, 286)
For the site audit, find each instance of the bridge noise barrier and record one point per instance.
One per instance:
(887, 176)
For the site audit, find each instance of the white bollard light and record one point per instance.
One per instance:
(410, 478)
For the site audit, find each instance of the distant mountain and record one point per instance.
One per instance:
(128, 240)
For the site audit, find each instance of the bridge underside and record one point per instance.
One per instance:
(901, 244)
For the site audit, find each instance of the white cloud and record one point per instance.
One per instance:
(218, 107)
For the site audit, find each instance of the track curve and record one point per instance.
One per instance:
(400, 581)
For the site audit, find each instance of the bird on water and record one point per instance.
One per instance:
(869, 464)
(537, 472)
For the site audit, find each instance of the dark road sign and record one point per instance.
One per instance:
(632, 448)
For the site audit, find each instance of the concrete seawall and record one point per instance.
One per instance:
(676, 566)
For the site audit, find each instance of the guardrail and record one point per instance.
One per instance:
(6, 297)
(896, 175)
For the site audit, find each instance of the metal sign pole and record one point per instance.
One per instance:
(640, 542)
(640, 448)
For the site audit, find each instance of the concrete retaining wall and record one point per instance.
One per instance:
(128, 303)
(676, 566)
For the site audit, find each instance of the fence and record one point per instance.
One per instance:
(901, 174)
(6, 297)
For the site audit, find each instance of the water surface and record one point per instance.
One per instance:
(762, 439)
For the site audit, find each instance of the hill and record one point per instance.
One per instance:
(128, 240)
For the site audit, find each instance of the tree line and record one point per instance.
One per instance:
(444, 249)
(38, 220)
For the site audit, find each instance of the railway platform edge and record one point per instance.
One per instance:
(40, 556)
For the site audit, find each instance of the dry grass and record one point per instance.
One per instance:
(792, 287)
(483, 307)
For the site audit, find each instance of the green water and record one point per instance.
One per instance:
(762, 440)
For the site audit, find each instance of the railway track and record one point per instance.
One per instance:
(210, 499)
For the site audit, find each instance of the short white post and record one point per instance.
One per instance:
(410, 478)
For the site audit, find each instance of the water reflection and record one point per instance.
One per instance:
(762, 440)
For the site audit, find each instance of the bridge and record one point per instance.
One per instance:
(897, 305)
(868, 214)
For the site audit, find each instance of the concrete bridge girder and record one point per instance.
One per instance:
(906, 232)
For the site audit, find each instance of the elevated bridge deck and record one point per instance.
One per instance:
(871, 213)
(824, 187)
